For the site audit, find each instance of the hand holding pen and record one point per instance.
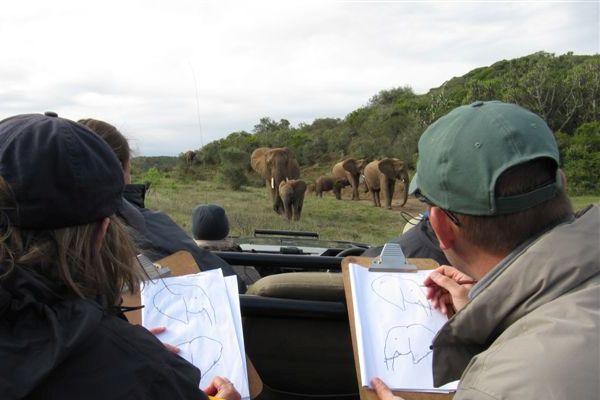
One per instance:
(448, 289)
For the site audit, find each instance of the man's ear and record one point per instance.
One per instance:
(102, 228)
(443, 227)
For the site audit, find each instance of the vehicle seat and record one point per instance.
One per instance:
(317, 286)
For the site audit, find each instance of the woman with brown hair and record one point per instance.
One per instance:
(155, 234)
(65, 260)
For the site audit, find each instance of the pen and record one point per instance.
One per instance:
(471, 282)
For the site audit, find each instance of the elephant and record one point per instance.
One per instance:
(292, 196)
(382, 175)
(275, 166)
(189, 157)
(410, 295)
(349, 171)
(412, 340)
(327, 183)
(195, 300)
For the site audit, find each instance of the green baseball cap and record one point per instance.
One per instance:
(462, 154)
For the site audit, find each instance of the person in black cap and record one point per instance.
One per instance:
(65, 260)
(210, 228)
(154, 232)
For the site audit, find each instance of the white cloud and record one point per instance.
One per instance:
(131, 63)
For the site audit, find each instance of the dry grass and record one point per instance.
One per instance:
(251, 208)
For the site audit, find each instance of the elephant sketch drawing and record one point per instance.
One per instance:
(381, 176)
(401, 293)
(407, 341)
(212, 351)
(195, 301)
(275, 166)
(348, 171)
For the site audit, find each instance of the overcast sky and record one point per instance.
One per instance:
(132, 63)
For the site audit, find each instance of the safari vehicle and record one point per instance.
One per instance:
(296, 328)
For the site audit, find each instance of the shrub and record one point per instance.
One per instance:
(234, 164)
(581, 158)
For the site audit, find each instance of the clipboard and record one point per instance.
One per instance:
(183, 263)
(365, 393)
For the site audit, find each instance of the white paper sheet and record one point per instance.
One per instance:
(395, 325)
(197, 313)
(234, 302)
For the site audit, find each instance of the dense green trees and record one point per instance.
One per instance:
(564, 89)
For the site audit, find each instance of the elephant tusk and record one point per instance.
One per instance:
(272, 183)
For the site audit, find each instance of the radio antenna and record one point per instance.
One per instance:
(199, 121)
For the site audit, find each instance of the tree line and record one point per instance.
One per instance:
(564, 90)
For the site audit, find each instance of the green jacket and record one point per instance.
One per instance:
(533, 330)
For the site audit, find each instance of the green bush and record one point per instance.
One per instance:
(234, 164)
(581, 158)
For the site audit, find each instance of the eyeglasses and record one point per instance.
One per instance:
(450, 214)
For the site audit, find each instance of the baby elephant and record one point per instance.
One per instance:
(327, 183)
(292, 196)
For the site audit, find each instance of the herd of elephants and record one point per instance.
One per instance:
(281, 172)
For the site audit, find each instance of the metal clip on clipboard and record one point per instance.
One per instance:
(391, 259)
(154, 271)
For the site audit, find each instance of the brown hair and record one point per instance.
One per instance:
(68, 256)
(112, 136)
(500, 234)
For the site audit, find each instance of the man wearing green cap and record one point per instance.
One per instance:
(530, 326)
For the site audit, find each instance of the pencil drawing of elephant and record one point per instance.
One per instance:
(401, 293)
(292, 196)
(275, 166)
(348, 171)
(381, 176)
(195, 301)
(412, 341)
(210, 350)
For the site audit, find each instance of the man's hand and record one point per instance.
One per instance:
(383, 392)
(222, 388)
(170, 347)
(448, 289)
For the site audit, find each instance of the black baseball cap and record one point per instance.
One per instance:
(61, 174)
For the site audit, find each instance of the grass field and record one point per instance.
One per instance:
(250, 209)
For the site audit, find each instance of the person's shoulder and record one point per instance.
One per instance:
(546, 353)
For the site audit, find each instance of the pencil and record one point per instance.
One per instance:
(471, 282)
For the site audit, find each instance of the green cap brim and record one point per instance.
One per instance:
(414, 184)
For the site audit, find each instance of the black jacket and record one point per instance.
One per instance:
(56, 346)
(158, 236)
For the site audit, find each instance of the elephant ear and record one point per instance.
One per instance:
(258, 161)
(350, 166)
(386, 167)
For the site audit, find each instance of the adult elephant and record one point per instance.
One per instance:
(348, 171)
(381, 175)
(275, 166)
(292, 196)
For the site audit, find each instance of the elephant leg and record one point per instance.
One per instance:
(298, 209)
(390, 193)
(354, 183)
(378, 198)
(373, 197)
(287, 208)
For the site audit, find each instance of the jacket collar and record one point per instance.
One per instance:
(541, 271)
